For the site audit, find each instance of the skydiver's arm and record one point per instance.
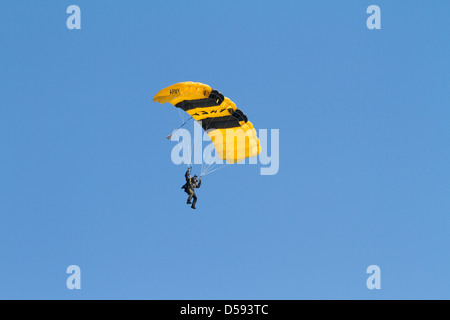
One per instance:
(199, 183)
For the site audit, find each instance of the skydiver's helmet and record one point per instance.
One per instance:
(195, 177)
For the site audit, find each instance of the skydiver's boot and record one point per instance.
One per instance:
(188, 202)
(193, 207)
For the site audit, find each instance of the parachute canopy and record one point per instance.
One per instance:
(233, 136)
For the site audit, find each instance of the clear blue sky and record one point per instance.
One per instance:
(86, 176)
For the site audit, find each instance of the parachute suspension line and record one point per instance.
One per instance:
(170, 135)
(204, 170)
(205, 166)
(207, 169)
(212, 167)
(181, 115)
(211, 171)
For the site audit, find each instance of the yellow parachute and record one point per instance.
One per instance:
(233, 136)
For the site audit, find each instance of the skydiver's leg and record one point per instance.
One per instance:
(191, 194)
(195, 200)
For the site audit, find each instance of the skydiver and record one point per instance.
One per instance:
(189, 187)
